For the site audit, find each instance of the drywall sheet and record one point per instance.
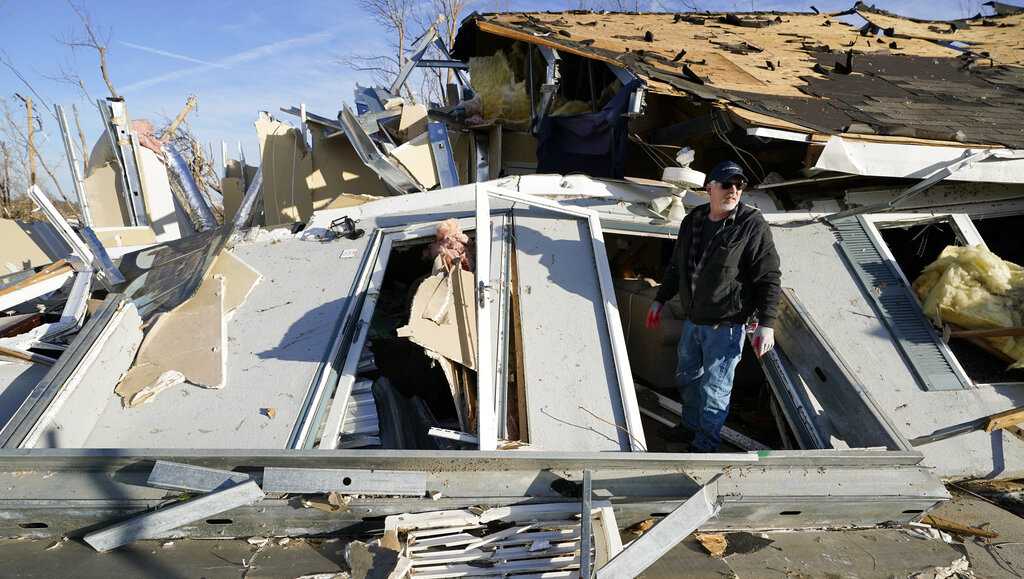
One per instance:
(156, 188)
(17, 248)
(287, 164)
(239, 279)
(833, 297)
(125, 236)
(416, 158)
(443, 317)
(103, 186)
(346, 179)
(189, 339)
(277, 339)
(572, 392)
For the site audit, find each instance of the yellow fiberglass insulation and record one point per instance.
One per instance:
(503, 98)
(973, 288)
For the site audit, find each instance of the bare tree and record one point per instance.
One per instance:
(12, 131)
(395, 17)
(91, 38)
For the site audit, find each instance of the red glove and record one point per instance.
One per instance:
(654, 315)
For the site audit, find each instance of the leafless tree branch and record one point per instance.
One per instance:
(93, 41)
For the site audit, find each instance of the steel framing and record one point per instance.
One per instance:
(58, 492)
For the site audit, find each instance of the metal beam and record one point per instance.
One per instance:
(154, 524)
(669, 532)
(74, 164)
(115, 120)
(186, 477)
(345, 481)
(453, 64)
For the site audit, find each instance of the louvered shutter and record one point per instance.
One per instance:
(896, 304)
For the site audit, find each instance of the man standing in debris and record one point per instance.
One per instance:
(726, 272)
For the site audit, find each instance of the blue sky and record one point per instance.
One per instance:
(241, 56)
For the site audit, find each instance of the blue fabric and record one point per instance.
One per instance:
(708, 356)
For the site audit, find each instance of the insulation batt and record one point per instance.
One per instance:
(450, 244)
(503, 97)
(973, 288)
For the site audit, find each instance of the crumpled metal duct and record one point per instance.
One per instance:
(201, 214)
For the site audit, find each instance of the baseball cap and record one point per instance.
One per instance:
(726, 172)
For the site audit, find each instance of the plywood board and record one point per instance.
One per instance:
(17, 248)
(443, 318)
(286, 165)
(189, 339)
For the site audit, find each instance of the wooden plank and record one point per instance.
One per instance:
(26, 356)
(958, 528)
(155, 523)
(1005, 419)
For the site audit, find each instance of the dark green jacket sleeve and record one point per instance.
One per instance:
(762, 263)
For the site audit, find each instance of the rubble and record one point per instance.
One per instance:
(439, 305)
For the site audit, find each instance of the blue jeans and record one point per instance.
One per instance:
(708, 356)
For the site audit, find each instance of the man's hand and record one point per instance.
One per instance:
(654, 315)
(763, 340)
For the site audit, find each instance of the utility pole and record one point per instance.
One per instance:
(5, 186)
(31, 144)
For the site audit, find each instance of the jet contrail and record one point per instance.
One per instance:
(170, 54)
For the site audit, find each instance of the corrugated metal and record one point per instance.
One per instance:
(896, 305)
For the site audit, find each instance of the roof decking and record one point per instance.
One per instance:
(902, 77)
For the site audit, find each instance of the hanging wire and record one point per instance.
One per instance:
(720, 133)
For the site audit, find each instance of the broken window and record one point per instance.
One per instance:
(913, 245)
(410, 377)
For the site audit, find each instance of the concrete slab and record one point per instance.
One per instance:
(862, 554)
(999, 557)
(174, 559)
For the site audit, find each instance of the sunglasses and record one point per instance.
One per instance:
(738, 183)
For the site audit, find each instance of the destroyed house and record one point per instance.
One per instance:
(398, 293)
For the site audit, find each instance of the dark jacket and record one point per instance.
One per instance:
(740, 275)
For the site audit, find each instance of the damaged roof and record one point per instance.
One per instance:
(807, 71)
